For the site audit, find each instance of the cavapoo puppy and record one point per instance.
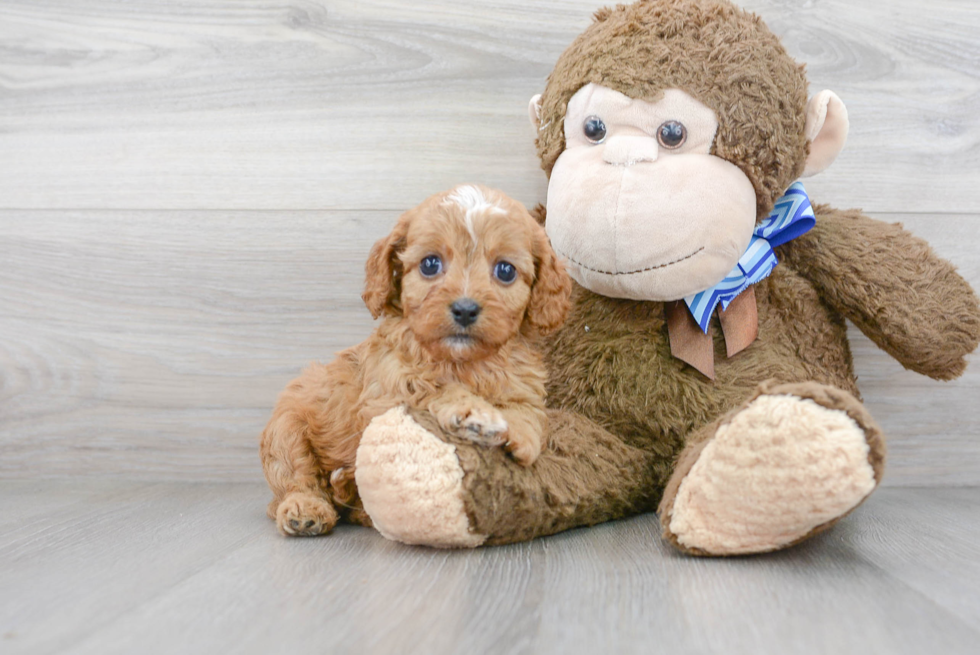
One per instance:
(465, 282)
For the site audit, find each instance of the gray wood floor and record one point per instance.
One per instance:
(188, 191)
(104, 567)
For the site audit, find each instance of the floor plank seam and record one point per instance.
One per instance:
(132, 609)
(920, 594)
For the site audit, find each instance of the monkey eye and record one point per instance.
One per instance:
(431, 266)
(595, 129)
(671, 135)
(505, 272)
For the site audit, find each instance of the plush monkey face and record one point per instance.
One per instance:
(669, 128)
(637, 204)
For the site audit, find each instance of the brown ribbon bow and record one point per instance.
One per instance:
(739, 324)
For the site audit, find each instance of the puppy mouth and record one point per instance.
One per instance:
(459, 340)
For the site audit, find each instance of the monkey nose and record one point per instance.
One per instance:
(628, 150)
(465, 311)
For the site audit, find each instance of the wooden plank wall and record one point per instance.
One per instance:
(188, 191)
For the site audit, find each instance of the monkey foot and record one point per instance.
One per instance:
(411, 484)
(789, 464)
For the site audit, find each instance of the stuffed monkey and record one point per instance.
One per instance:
(705, 366)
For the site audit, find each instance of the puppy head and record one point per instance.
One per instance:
(468, 269)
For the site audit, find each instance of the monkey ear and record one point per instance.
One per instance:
(382, 284)
(552, 289)
(534, 111)
(826, 129)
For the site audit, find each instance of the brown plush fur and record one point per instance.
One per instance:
(484, 381)
(627, 409)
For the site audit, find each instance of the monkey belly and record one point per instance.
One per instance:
(611, 362)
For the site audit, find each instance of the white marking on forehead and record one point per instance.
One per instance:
(470, 197)
(472, 200)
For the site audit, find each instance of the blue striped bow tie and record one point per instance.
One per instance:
(791, 217)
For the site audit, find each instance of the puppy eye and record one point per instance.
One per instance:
(671, 135)
(505, 272)
(431, 266)
(595, 129)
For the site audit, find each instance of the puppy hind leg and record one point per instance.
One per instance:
(300, 506)
(303, 514)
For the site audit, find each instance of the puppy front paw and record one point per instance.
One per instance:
(523, 447)
(486, 426)
(477, 420)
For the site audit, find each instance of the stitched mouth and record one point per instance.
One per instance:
(639, 270)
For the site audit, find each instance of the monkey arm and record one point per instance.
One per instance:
(893, 287)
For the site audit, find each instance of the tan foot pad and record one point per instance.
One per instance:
(780, 468)
(411, 484)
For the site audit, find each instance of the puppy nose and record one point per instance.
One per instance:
(465, 311)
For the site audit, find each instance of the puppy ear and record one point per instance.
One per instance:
(382, 285)
(539, 213)
(552, 290)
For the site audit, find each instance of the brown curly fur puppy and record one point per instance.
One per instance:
(466, 281)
